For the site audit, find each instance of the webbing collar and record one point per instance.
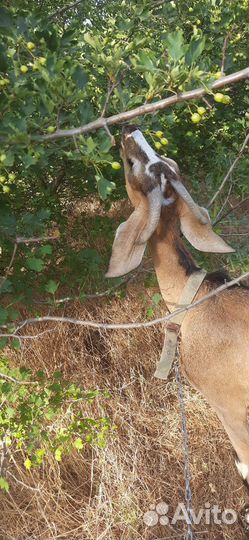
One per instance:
(173, 327)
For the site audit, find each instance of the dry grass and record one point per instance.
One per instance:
(103, 494)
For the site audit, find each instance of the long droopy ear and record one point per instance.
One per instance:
(127, 250)
(199, 234)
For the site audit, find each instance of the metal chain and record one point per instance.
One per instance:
(187, 475)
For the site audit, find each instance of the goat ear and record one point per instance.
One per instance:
(200, 235)
(127, 250)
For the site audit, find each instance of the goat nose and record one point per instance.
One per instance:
(127, 130)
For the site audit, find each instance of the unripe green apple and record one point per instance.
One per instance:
(196, 118)
(24, 69)
(218, 97)
(116, 166)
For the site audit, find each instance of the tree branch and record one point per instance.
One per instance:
(220, 218)
(229, 171)
(224, 50)
(63, 10)
(12, 379)
(129, 326)
(148, 108)
(7, 271)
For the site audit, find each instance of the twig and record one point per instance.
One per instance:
(34, 239)
(7, 271)
(149, 108)
(12, 379)
(22, 483)
(224, 203)
(106, 128)
(63, 10)
(17, 336)
(94, 295)
(205, 100)
(129, 326)
(224, 50)
(229, 171)
(230, 211)
(110, 89)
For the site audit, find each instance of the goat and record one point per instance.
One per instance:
(214, 336)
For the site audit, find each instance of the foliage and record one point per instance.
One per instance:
(40, 415)
(61, 68)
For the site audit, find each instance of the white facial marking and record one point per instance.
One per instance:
(136, 168)
(163, 182)
(243, 469)
(141, 141)
(167, 201)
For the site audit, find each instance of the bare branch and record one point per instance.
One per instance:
(129, 326)
(34, 239)
(229, 171)
(110, 89)
(205, 100)
(63, 10)
(12, 379)
(148, 108)
(17, 336)
(22, 483)
(94, 295)
(7, 271)
(220, 218)
(224, 50)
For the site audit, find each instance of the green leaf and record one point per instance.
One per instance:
(90, 40)
(175, 45)
(80, 77)
(5, 18)
(156, 298)
(3, 315)
(16, 344)
(4, 484)
(28, 464)
(194, 50)
(9, 160)
(51, 286)
(45, 250)
(6, 287)
(150, 312)
(35, 264)
(104, 187)
(58, 454)
(78, 444)
(57, 375)
(3, 342)
(147, 60)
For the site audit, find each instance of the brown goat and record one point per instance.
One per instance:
(214, 336)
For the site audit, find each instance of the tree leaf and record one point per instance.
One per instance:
(195, 49)
(156, 298)
(58, 454)
(105, 187)
(175, 45)
(80, 77)
(4, 484)
(28, 464)
(45, 250)
(35, 264)
(51, 286)
(78, 444)
(3, 315)
(16, 344)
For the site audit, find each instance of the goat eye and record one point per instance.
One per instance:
(130, 162)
